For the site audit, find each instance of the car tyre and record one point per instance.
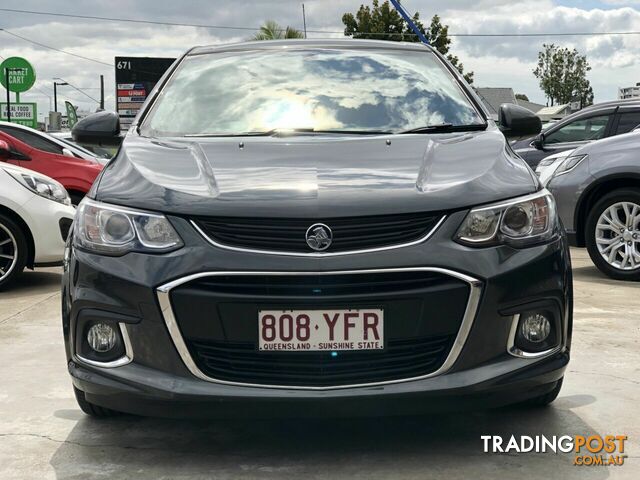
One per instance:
(91, 409)
(547, 398)
(13, 244)
(613, 269)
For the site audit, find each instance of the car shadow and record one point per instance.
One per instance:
(430, 446)
(35, 281)
(590, 273)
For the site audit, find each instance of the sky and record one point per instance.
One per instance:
(497, 62)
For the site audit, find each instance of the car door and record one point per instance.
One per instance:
(570, 134)
(44, 156)
(33, 139)
(577, 133)
(22, 150)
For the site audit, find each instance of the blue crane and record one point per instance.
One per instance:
(409, 20)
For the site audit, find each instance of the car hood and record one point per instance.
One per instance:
(314, 176)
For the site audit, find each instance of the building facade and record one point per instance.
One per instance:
(629, 92)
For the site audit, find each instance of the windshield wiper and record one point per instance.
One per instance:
(283, 132)
(445, 127)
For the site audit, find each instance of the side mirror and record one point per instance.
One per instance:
(100, 128)
(68, 153)
(5, 151)
(538, 142)
(517, 121)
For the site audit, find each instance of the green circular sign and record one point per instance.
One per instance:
(22, 76)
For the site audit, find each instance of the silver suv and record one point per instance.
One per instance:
(597, 189)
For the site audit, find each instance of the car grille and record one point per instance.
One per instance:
(288, 234)
(240, 362)
(218, 319)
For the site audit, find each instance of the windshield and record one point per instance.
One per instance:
(362, 91)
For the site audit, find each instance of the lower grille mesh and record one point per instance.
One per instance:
(240, 362)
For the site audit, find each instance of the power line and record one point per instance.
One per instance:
(247, 28)
(79, 90)
(66, 52)
(54, 48)
(130, 20)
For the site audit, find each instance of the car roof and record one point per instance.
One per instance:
(627, 102)
(315, 43)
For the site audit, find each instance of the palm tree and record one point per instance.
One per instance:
(272, 31)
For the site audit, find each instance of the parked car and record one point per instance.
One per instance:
(597, 189)
(35, 218)
(591, 123)
(355, 235)
(49, 142)
(74, 172)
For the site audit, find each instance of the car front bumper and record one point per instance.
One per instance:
(49, 223)
(156, 378)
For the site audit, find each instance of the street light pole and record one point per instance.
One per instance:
(6, 72)
(101, 92)
(55, 94)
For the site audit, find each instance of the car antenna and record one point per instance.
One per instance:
(402, 11)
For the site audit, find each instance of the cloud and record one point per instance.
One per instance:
(502, 61)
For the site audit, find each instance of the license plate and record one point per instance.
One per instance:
(314, 330)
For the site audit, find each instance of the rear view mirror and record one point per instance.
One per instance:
(100, 128)
(517, 121)
(5, 151)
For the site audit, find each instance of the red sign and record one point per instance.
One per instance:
(131, 93)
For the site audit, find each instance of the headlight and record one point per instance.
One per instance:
(545, 162)
(518, 222)
(569, 164)
(43, 186)
(114, 230)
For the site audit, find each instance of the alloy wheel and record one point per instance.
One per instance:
(618, 235)
(8, 252)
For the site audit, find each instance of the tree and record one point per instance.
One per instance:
(562, 74)
(383, 22)
(522, 96)
(272, 31)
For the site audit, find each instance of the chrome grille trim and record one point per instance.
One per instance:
(475, 291)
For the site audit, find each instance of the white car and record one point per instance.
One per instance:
(548, 165)
(35, 219)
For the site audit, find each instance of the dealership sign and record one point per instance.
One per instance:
(21, 75)
(135, 78)
(22, 113)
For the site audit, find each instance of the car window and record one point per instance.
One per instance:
(75, 147)
(32, 139)
(584, 129)
(316, 89)
(627, 122)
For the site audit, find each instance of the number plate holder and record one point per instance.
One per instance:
(321, 330)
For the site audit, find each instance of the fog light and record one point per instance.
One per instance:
(102, 337)
(535, 327)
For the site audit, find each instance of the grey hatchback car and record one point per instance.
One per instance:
(597, 190)
(312, 226)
